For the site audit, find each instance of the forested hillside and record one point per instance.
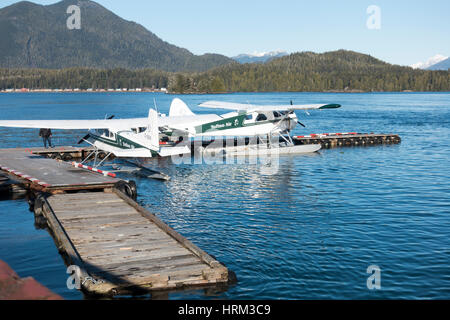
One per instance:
(307, 71)
(332, 71)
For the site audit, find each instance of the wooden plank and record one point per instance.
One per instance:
(68, 215)
(79, 238)
(100, 223)
(135, 272)
(125, 256)
(99, 196)
(185, 242)
(156, 253)
(149, 264)
(119, 240)
(117, 248)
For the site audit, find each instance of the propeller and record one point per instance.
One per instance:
(297, 120)
(84, 138)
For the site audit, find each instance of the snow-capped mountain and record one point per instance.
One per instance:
(442, 65)
(431, 61)
(259, 57)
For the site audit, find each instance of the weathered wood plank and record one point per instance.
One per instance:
(185, 242)
(135, 243)
(130, 272)
(123, 233)
(124, 257)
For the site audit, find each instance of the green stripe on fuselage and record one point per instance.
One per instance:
(223, 124)
(121, 143)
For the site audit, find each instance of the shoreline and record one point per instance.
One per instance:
(27, 90)
(197, 93)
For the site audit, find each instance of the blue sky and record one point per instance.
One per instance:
(411, 31)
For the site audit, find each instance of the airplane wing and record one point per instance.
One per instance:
(261, 108)
(173, 122)
(76, 124)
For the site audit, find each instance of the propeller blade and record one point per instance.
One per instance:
(84, 138)
(109, 118)
(301, 124)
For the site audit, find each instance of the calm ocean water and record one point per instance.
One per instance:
(308, 232)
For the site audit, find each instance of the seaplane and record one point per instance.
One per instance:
(160, 135)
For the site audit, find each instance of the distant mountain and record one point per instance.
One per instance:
(262, 57)
(36, 36)
(430, 62)
(443, 65)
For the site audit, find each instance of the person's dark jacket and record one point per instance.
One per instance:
(45, 133)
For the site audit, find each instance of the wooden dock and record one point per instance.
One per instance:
(118, 246)
(121, 248)
(44, 174)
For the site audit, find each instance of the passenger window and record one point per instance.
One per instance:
(261, 117)
(248, 117)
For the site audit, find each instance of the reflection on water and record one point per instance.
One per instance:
(308, 231)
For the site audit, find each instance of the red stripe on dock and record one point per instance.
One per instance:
(105, 173)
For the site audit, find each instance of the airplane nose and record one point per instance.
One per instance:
(293, 123)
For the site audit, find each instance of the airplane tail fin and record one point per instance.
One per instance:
(152, 129)
(179, 108)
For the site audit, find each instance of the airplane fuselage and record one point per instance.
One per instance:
(136, 141)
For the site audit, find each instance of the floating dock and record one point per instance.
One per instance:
(118, 246)
(347, 139)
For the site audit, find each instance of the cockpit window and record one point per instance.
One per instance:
(276, 114)
(261, 117)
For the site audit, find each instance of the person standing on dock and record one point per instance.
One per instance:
(46, 135)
